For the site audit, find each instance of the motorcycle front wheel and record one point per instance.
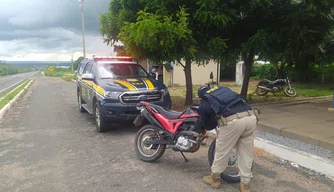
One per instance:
(231, 173)
(290, 92)
(144, 150)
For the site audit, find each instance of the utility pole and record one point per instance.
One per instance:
(83, 28)
(72, 62)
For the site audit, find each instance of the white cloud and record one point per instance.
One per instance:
(35, 48)
(49, 30)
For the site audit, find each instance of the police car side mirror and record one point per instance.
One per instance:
(87, 76)
(153, 75)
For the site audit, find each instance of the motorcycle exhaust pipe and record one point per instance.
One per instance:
(189, 133)
(263, 87)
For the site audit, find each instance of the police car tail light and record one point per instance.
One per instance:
(110, 94)
(164, 91)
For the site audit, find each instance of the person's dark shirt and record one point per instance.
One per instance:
(207, 115)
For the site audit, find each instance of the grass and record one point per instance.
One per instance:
(65, 74)
(68, 77)
(303, 91)
(6, 92)
(9, 97)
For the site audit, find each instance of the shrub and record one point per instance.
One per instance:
(266, 71)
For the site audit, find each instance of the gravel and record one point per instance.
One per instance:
(308, 148)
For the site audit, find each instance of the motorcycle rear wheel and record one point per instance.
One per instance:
(231, 178)
(142, 149)
(259, 91)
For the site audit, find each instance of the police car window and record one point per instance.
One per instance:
(82, 67)
(120, 70)
(88, 68)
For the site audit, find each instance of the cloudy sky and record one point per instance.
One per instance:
(50, 29)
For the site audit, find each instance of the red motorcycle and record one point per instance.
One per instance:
(177, 130)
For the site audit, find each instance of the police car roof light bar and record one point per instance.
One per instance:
(112, 58)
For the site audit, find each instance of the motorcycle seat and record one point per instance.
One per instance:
(273, 82)
(167, 113)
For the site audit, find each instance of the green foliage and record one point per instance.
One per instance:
(297, 33)
(316, 73)
(24, 70)
(6, 69)
(168, 30)
(69, 77)
(8, 97)
(120, 50)
(77, 62)
(316, 90)
(58, 72)
(157, 37)
(263, 72)
(300, 34)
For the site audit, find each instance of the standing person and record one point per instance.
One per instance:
(222, 107)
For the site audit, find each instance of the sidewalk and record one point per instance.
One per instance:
(310, 122)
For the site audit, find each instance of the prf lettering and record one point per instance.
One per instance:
(212, 89)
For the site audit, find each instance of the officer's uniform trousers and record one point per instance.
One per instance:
(236, 130)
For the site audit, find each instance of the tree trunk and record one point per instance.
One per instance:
(189, 83)
(275, 65)
(281, 72)
(248, 64)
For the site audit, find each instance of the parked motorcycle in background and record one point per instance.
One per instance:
(265, 86)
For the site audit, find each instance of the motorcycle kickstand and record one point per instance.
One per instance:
(185, 159)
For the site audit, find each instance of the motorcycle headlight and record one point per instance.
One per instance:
(113, 95)
(164, 91)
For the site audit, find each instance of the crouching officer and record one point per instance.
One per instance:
(236, 122)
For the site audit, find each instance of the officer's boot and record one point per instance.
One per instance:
(244, 187)
(213, 180)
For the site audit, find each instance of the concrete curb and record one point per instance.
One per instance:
(11, 103)
(290, 102)
(74, 81)
(303, 159)
(284, 132)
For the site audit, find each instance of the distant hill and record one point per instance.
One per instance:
(37, 64)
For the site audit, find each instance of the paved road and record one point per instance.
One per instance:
(47, 145)
(12, 80)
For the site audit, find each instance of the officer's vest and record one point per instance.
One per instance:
(222, 99)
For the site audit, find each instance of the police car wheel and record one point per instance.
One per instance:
(101, 123)
(81, 109)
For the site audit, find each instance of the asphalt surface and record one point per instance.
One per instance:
(6, 82)
(47, 145)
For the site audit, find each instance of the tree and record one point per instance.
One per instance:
(199, 30)
(283, 31)
(77, 62)
(246, 32)
(301, 32)
(119, 49)
(164, 31)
